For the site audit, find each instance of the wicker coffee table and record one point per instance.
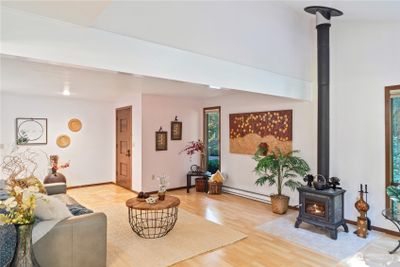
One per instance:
(153, 220)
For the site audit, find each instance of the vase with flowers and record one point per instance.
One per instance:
(18, 208)
(163, 184)
(194, 147)
(54, 176)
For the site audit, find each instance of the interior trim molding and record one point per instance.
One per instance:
(89, 185)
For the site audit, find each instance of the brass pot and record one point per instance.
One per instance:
(280, 204)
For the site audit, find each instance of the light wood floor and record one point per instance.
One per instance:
(258, 249)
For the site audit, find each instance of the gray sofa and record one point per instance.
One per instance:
(79, 241)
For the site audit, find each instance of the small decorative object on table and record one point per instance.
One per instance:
(362, 207)
(196, 147)
(162, 187)
(151, 200)
(309, 178)
(320, 183)
(54, 176)
(142, 196)
(215, 183)
(19, 207)
(280, 169)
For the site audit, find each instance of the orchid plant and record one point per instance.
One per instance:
(193, 147)
(163, 180)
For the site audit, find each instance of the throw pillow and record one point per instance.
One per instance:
(50, 208)
(31, 181)
(78, 209)
(217, 177)
(8, 241)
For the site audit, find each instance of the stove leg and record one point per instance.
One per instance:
(298, 222)
(333, 234)
(346, 229)
(394, 250)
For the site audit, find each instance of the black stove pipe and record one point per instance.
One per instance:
(323, 15)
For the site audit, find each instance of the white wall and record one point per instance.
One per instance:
(160, 111)
(365, 59)
(238, 167)
(91, 149)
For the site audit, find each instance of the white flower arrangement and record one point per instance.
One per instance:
(163, 183)
(20, 206)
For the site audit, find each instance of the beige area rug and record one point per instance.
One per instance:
(191, 236)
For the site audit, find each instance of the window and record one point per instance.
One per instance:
(212, 141)
(392, 121)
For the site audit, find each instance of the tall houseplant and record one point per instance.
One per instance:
(275, 167)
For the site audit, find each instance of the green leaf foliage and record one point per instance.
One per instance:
(393, 192)
(280, 169)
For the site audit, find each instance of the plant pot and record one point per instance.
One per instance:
(280, 204)
(161, 196)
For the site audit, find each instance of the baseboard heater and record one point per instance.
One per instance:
(246, 194)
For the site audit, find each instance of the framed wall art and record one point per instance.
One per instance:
(161, 140)
(248, 130)
(31, 131)
(176, 129)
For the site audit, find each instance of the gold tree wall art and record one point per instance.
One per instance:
(248, 130)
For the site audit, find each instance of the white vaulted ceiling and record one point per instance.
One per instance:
(263, 38)
(244, 32)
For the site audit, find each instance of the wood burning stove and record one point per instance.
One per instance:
(322, 208)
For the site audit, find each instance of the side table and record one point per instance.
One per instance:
(394, 217)
(153, 220)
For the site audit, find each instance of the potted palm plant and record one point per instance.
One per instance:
(276, 167)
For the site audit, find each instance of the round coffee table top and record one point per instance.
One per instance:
(168, 202)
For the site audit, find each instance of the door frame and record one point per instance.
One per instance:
(219, 133)
(130, 144)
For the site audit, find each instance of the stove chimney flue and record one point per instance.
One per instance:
(323, 17)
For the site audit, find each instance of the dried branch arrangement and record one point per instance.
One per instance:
(20, 163)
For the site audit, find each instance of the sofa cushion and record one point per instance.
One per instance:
(50, 208)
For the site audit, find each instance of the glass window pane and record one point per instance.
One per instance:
(395, 136)
(212, 140)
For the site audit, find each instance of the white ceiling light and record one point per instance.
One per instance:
(66, 90)
(214, 87)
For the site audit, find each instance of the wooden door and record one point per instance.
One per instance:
(124, 147)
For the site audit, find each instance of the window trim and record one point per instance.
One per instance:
(388, 140)
(219, 133)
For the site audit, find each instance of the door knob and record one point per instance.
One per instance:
(128, 153)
